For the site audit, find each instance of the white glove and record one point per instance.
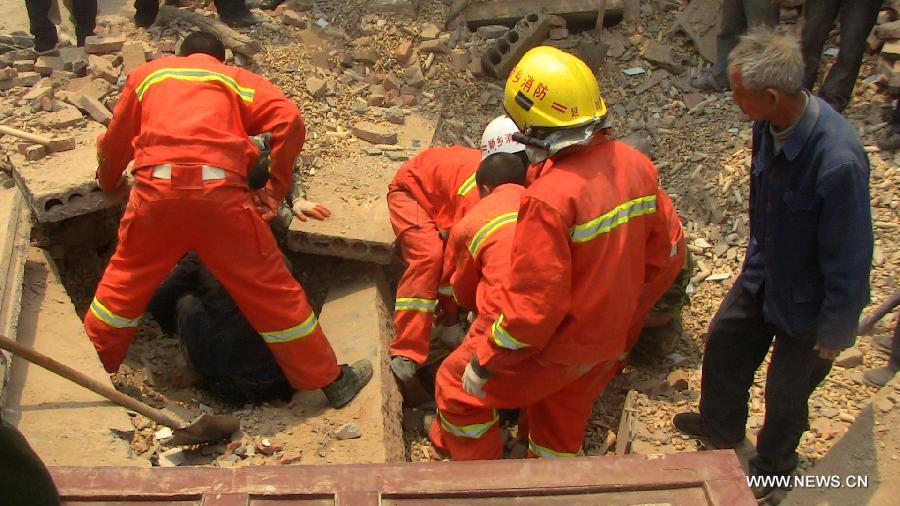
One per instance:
(472, 382)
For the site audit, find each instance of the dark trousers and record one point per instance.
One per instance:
(856, 17)
(23, 477)
(739, 338)
(737, 17)
(44, 31)
(895, 119)
(147, 10)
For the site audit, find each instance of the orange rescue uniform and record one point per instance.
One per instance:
(596, 243)
(477, 259)
(427, 196)
(185, 122)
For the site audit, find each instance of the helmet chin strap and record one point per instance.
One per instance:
(539, 150)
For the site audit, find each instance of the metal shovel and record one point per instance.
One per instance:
(205, 429)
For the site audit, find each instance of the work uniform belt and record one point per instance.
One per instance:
(207, 172)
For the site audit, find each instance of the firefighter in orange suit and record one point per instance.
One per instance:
(596, 244)
(185, 121)
(429, 193)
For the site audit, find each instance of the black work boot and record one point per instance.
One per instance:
(244, 18)
(352, 379)
(693, 425)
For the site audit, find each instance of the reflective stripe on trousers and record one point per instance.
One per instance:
(472, 431)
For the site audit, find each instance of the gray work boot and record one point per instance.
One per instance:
(246, 18)
(879, 377)
(883, 343)
(404, 368)
(352, 379)
(707, 81)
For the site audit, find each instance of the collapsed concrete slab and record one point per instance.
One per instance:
(700, 21)
(355, 189)
(62, 185)
(577, 13)
(66, 424)
(13, 247)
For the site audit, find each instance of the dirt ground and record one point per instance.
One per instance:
(700, 143)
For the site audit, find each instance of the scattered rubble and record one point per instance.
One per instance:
(348, 431)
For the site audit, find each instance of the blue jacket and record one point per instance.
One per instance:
(811, 227)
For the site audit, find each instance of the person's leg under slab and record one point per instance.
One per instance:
(423, 251)
(241, 253)
(151, 239)
(467, 427)
(556, 423)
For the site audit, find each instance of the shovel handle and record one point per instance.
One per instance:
(91, 384)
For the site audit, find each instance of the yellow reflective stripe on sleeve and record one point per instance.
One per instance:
(503, 338)
(112, 319)
(489, 228)
(619, 215)
(413, 304)
(296, 332)
(547, 453)
(185, 74)
(467, 185)
(446, 291)
(474, 431)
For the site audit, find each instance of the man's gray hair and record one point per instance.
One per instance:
(767, 59)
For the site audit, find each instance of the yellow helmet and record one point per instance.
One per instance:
(550, 88)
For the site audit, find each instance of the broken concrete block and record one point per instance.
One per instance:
(38, 92)
(366, 55)
(678, 380)
(889, 75)
(661, 56)
(430, 31)
(95, 109)
(132, 56)
(102, 68)
(492, 31)
(891, 50)
(172, 457)
(8, 73)
(290, 457)
(390, 82)
(631, 12)
(359, 106)
(27, 79)
(395, 114)
(316, 87)
(45, 65)
(348, 431)
(99, 44)
(409, 100)
(35, 152)
(404, 52)
(375, 100)
(459, 59)
(503, 54)
(591, 53)
(434, 46)
(74, 59)
(888, 31)
(409, 8)
(851, 357)
(7, 84)
(413, 75)
(476, 68)
(63, 119)
(22, 54)
(23, 65)
(558, 33)
(293, 18)
(700, 21)
(376, 134)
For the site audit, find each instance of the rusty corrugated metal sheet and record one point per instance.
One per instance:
(705, 478)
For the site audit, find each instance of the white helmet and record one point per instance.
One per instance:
(498, 137)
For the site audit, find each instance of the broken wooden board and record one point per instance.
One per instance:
(577, 13)
(63, 184)
(65, 423)
(13, 247)
(700, 21)
(355, 189)
(232, 39)
(626, 424)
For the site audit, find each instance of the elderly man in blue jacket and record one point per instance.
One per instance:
(805, 277)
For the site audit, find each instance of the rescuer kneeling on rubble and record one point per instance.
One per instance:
(805, 278)
(185, 120)
(596, 244)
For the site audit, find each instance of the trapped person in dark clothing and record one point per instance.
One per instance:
(232, 12)
(223, 347)
(43, 29)
(24, 479)
(737, 17)
(856, 18)
(805, 278)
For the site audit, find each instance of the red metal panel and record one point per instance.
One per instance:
(701, 478)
